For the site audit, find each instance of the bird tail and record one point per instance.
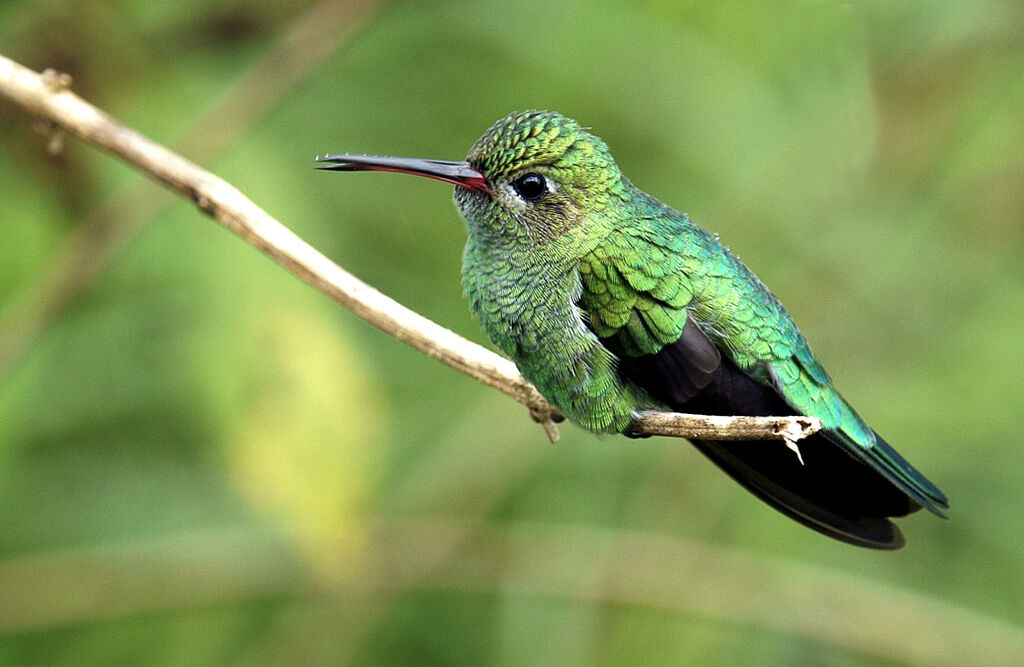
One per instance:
(830, 492)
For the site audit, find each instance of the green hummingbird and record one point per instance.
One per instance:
(611, 302)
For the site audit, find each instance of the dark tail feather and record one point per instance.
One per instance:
(888, 461)
(832, 491)
(840, 489)
(819, 493)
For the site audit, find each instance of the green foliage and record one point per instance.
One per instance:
(204, 461)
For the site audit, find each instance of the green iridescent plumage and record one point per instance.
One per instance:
(609, 301)
(639, 267)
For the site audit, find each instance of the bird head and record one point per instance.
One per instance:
(532, 177)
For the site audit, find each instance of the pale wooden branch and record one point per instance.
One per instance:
(87, 250)
(47, 96)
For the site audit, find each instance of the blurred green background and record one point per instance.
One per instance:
(204, 461)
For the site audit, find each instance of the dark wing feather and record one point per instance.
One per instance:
(637, 305)
(831, 492)
(679, 371)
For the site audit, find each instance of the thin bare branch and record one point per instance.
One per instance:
(789, 429)
(47, 96)
(90, 247)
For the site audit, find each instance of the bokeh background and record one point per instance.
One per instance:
(204, 461)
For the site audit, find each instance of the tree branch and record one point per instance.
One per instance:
(48, 97)
(86, 251)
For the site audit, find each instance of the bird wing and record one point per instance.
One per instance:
(640, 304)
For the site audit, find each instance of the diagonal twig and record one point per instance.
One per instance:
(88, 249)
(47, 96)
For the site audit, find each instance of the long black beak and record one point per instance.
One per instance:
(458, 173)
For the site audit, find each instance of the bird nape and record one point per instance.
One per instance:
(611, 302)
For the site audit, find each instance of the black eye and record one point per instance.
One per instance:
(530, 186)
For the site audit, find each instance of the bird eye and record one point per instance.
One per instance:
(530, 186)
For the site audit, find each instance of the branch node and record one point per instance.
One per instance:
(546, 415)
(54, 134)
(54, 139)
(796, 429)
(56, 81)
(205, 204)
(795, 448)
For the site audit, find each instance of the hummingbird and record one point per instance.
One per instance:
(611, 302)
